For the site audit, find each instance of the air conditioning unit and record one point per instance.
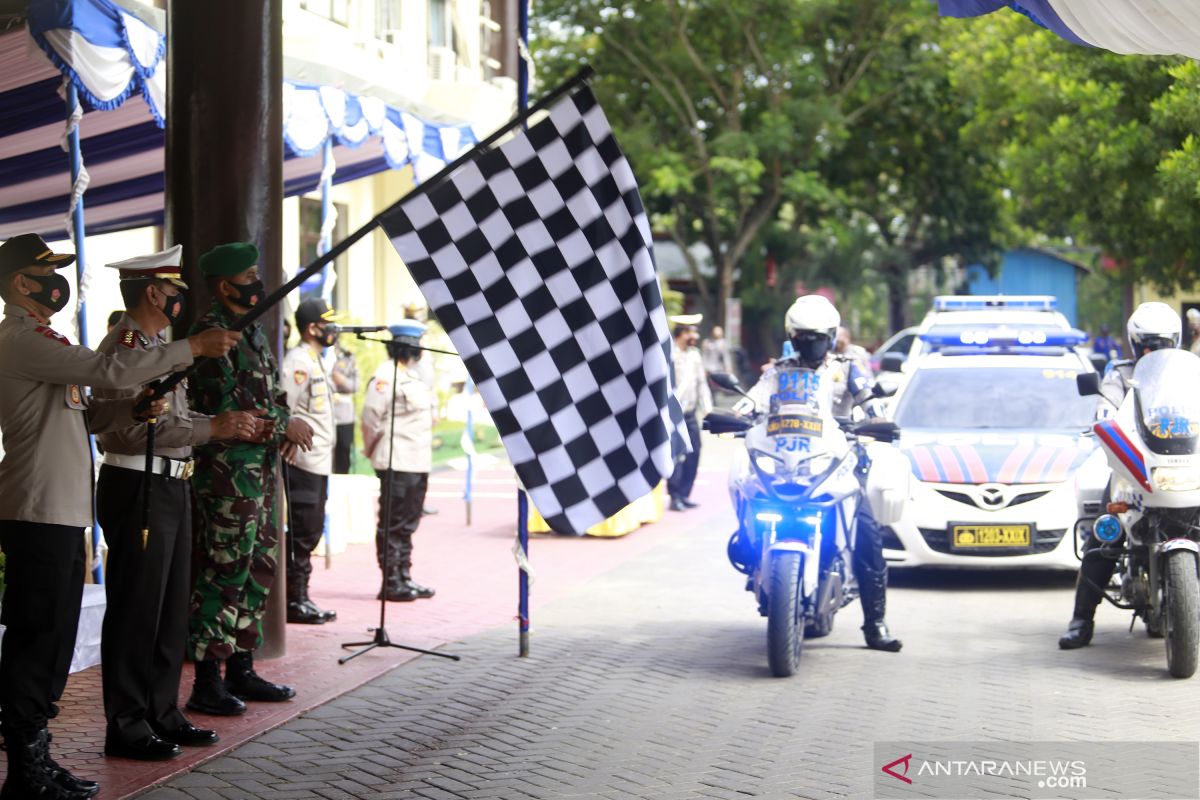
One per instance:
(442, 63)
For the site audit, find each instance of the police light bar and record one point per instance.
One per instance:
(1002, 337)
(1032, 302)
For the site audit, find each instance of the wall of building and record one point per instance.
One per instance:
(1031, 272)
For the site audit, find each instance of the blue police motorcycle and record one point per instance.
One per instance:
(797, 488)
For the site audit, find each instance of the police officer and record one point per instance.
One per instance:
(310, 398)
(811, 326)
(404, 461)
(235, 491)
(1152, 326)
(148, 582)
(690, 384)
(46, 494)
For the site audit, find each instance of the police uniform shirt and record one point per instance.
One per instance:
(1113, 387)
(46, 474)
(413, 437)
(310, 397)
(691, 381)
(177, 429)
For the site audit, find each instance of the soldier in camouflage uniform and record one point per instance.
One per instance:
(235, 486)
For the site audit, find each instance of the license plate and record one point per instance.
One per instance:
(966, 537)
(797, 424)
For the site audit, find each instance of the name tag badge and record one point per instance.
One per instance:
(75, 398)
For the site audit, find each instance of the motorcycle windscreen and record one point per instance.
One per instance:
(1167, 394)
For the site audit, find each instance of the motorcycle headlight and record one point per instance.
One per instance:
(1176, 479)
(766, 464)
(816, 465)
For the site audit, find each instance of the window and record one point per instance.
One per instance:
(310, 237)
(387, 20)
(439, 24)
(334, 10)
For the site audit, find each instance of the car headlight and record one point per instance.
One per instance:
(1176, 479)
(766, 464)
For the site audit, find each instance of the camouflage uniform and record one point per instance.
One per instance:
(235, 491)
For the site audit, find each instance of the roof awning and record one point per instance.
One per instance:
(1147, 27)
(117, 63)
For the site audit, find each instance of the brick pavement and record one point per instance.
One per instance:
(650, 680)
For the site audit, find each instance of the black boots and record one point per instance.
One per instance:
(1079, 634)
(873, 588)
(32, 773)
(244, 683)
(879, 638)
(398, 586)
(210, 695)
(301, 610)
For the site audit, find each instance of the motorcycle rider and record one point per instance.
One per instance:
(811, 325)
(1152, 326)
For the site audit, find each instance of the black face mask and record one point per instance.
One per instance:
(248, 295)
(173, 310)
(811, 348)
(327, 337)
(54, 293)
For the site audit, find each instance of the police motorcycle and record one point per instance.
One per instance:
(797, 487)
(1152, 523)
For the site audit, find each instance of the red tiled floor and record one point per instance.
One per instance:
(476, 581)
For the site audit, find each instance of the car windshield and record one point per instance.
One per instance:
(1025, 398)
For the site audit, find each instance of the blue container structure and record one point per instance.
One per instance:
(1027, 270)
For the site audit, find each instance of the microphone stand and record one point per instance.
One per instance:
(381, 638)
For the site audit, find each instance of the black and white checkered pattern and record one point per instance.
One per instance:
(536, 258)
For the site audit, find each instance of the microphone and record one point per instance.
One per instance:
(361, 328)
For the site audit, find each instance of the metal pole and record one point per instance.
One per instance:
(326, 240)
(522, 498)
(469, 435)
(79, 231)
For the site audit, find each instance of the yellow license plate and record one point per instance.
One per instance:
(800, 424)
(968, 536)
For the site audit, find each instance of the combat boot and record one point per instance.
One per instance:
(29, 776)
(300, 611)
(60, 774)
(420, 592)
(394, 589)
(873, 586)
(1079, 634)
(244, 683)
(209, 694)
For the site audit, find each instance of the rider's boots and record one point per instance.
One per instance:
(873, 588)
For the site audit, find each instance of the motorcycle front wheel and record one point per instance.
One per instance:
(785, 615)
(1181, 613)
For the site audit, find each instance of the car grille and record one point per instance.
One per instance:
(960, 497)
(938, 540)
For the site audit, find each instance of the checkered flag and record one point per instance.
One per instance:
(536, 258)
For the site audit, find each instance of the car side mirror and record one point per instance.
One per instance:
(724, 422)
(723, 380)
(892, 362)
(1099, 362)
(1087, 383)
(882, 430)
(879, 390)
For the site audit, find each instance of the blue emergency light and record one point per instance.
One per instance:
(1031, 302)
(1001, 337)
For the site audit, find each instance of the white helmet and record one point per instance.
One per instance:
(1153, 326)
(811, 323)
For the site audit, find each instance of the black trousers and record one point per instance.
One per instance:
(869, 565)
(343, 446)
(408, 498)
(684, 477)
(146, 621)
(307, 493)
(44, 569)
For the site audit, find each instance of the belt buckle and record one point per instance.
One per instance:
(188, 468)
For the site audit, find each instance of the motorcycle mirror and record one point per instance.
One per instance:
(1087, 383)
(880, 430)
(879, 390)
(724, 422)
(892, 362)
(723, 380)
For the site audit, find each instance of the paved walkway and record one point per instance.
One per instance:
(650, 680)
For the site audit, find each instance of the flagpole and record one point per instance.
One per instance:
(522, 499)
(469, 436)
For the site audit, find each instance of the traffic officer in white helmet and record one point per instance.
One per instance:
(811, 325)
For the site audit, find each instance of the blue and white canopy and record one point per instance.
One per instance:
(117, 62)
(1148, 27)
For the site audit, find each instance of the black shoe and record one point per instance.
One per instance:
(688, 503)
(677, 504)
(422, 592)
(428, 512)
(879, 638)
(1079, 634)
(60, 775)
(209, 694)
(325, 614)
(148, 748)
(188, 735)
(30, 774)
(244, 683)
(304, 614)
(401, 593)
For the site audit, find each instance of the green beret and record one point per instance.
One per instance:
(227, 260)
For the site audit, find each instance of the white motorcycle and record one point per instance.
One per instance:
(797, 488)
(1152, 523)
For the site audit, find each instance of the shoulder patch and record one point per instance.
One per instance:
(299, 376)
(128, 337)
(50, 333)
(381, 386)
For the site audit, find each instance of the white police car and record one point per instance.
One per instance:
(998, 442)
